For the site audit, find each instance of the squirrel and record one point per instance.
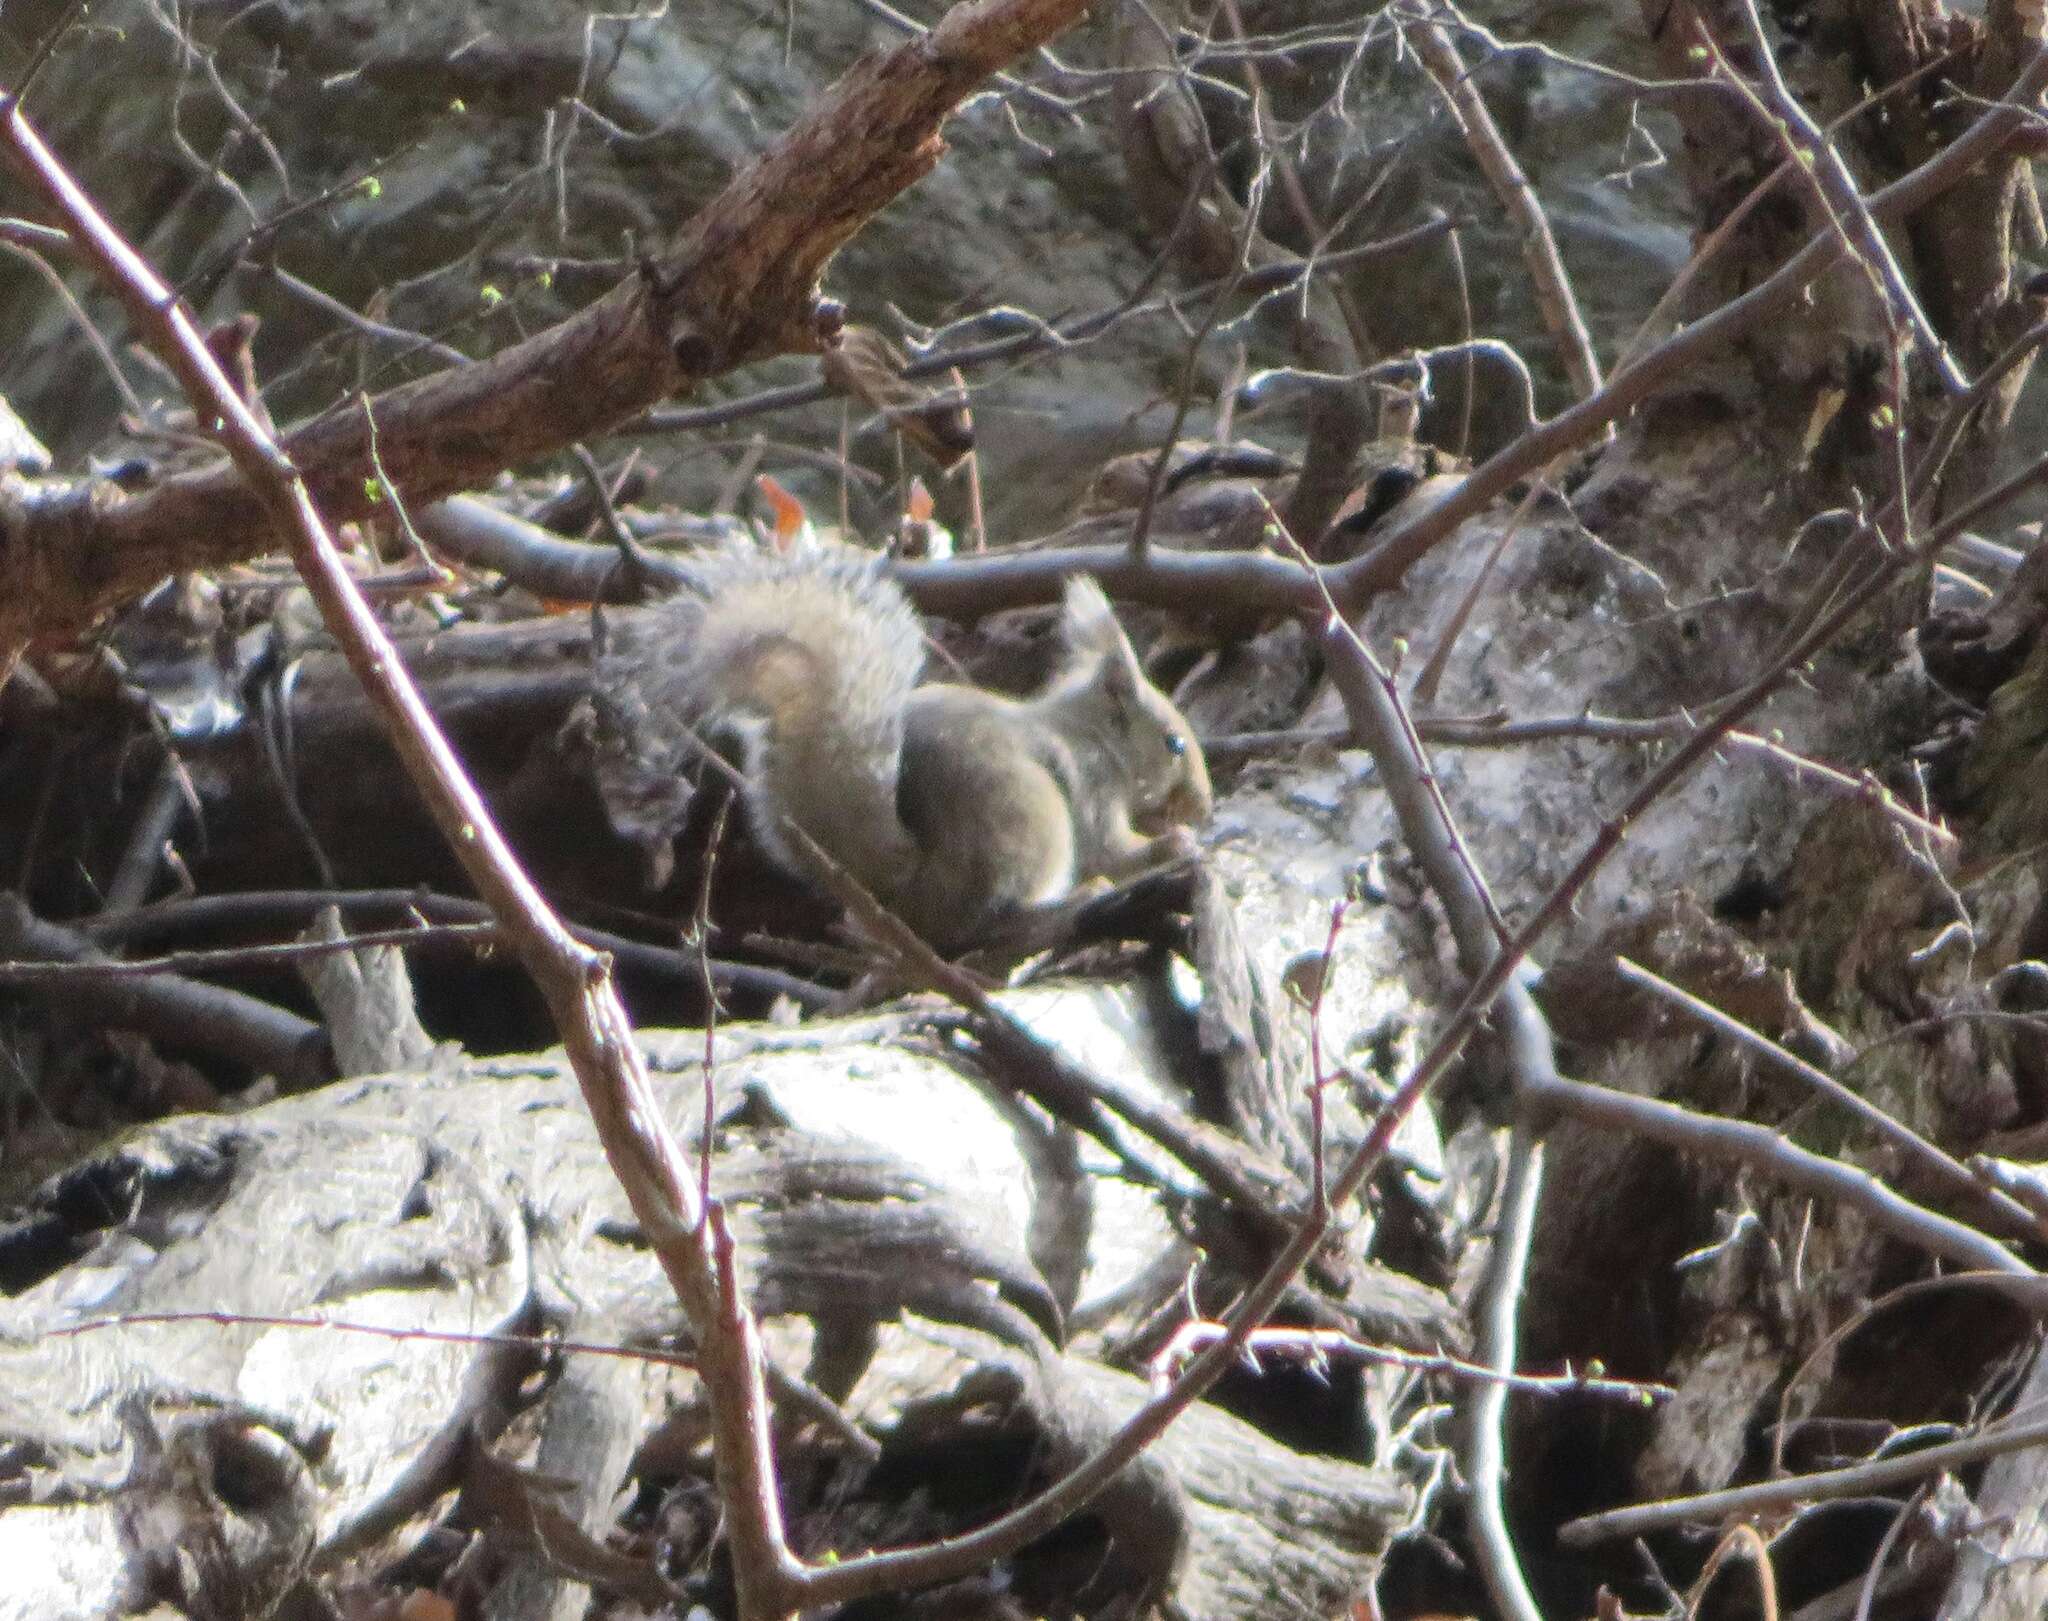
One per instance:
(959, 809)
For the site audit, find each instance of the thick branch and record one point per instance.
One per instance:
(739, 283)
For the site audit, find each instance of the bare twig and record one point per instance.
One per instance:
(1866, 1595)
(31, 243)
(206, 1018)
(291, 908)
(1407, 540)
(541, 1344)
(1944, 1167)
(1296, 193)
(1430, 677)
(1681, 284)
(575, 982)
(221, 958)
(1319, 1347)
(1858, 1480)
(1475, 732)
(2027, 1291)
(1184, 395)
(382, 331)
(1863, 786)
(1745, 1143)
(1439, 56)
(968, 586)
(1027, 335)
(1744, 1540)
(1814, 155)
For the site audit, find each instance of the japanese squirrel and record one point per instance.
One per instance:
(955, 807)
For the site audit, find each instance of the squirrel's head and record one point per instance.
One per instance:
(1169, 779)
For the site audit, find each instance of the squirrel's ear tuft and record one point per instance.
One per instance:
(1095, 638)
(1089, 624)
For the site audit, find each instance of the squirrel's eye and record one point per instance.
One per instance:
(1176, 745)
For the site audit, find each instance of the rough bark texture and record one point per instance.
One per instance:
(738, 284)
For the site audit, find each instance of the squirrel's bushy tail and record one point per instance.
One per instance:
(810, 657)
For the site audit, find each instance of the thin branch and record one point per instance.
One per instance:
(1485, 1429)
(1439, 56)
(1184, 395)
(541, 1344)
(1914, 1147)
(969, 586)
(1857, 1480)
(30, 243)
(289, 908)
(1862, 786)
(1816, 156)
(219, 959)
(575, 981)
(1026, 335)
(1317, 1348)
(1479, 732)
(190, 1013)
(410, 343)
(1742, 1142)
